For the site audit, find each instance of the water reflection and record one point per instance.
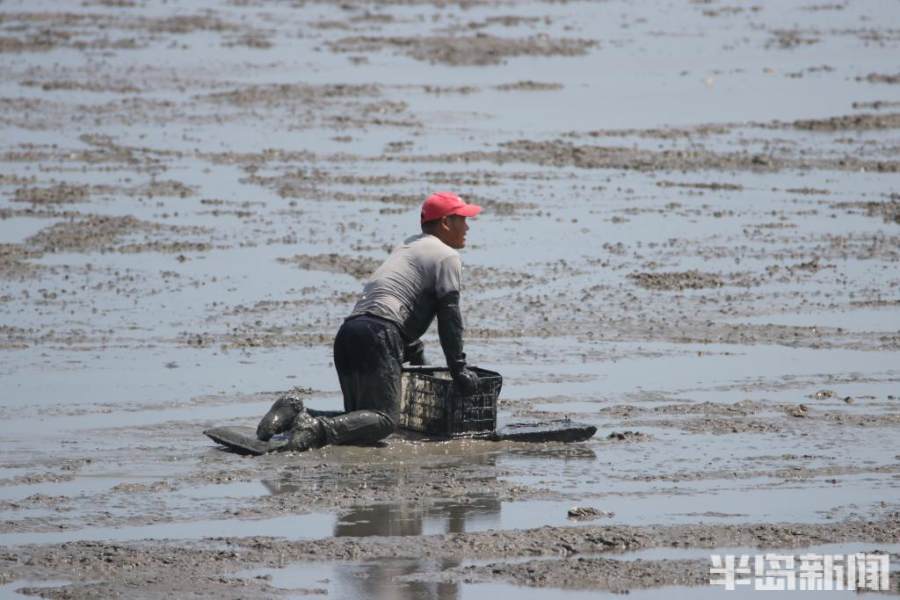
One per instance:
(450, 516)
(385, 580)
(413, 517)
(380, 580)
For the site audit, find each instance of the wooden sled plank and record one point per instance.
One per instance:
(243, 439)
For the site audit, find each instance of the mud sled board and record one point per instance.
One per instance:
(242, 439)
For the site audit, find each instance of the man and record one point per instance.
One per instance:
(418, 281)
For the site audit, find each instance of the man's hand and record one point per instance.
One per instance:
(466, 381)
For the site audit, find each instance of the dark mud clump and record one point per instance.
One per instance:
(587, 513)
(528, 86)
(480, 49)
(702, 186)
(440, 90)
(357, 266)
(628, 436)
(808, 191)
(859, 122)
(686, 280)
(880, 78)
(875, 105)
(791, 38)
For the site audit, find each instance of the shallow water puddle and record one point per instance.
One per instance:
(298, 527)
(681, 366)
(8, 590)
(744, 501)
(477, 513)
(73, 488)
(15, 230)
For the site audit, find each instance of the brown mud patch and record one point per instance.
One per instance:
(292, 94)
(693, 280)
(858, 122)
(481, 49)
(114, 87)
(244, 337)
(561, 153)
(889, 210)
(61, 193)
(607, 574)
(14, 263)
(665, 133)
(311, 183)
(87, 234)
(359, 267)
(99, 233)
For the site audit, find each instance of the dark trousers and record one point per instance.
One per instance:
(368, 354)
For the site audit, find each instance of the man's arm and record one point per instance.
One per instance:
(450, 330)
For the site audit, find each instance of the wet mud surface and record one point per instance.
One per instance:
(690, 240)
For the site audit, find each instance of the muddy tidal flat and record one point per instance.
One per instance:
(691, 240)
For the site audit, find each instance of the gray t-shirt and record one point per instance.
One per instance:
(406, 287)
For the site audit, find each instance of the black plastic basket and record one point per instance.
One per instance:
(431, 404)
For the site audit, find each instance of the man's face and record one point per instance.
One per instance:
(453, 229)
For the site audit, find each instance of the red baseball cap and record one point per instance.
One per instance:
(442, 204)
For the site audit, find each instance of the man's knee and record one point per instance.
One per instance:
(358, 427)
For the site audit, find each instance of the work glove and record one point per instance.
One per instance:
(466, 381)
(450, 330)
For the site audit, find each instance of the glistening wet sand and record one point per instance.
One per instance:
(690, 240)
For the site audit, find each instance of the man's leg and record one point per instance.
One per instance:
(368, 353)
(368, 356)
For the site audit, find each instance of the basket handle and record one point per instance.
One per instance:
(424, 369)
